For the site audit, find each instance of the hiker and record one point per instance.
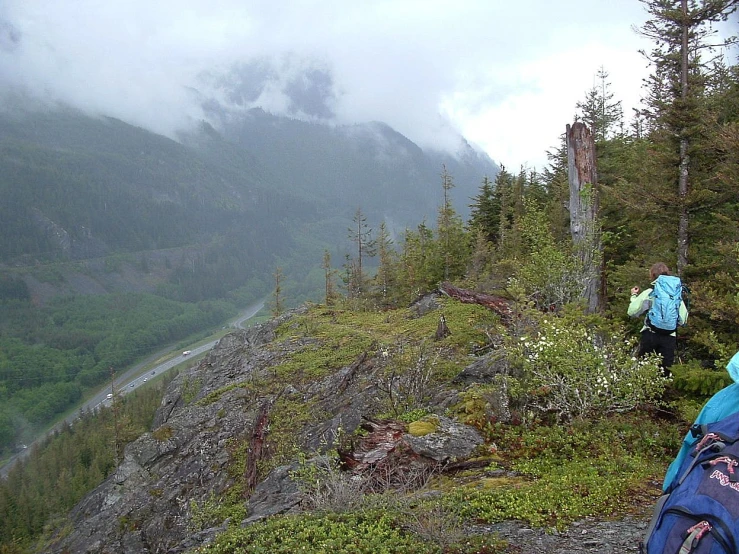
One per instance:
(664, 313)
(722, 404)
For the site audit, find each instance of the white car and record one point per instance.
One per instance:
(186, 352)
(110, 395)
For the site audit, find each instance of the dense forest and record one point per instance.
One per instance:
(67, 464)
(50, 357)
(667, 190)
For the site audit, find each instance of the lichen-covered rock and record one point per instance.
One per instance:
(146, 504)
(450, 441)
(484, 369)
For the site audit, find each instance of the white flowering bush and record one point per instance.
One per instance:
(573, 369)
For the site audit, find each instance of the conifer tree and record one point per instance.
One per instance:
(481, 257)
(361, 235)
(557, 188)
(386, 271)
(277, 296)
(415, 273)
(485, 211)
(330, 292)
(599, 111)
(680, 30)
(452, 241)
(504, 192)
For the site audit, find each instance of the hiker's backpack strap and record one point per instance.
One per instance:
(695, 534)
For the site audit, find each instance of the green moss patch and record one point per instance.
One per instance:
(424, 426)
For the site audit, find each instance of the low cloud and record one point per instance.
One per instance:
(506, 76)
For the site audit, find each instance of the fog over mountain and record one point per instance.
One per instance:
(291, 118)
(140, 68)
(488, 71)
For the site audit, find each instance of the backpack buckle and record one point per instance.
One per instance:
(695, 534)
(731, 463)
(712, 441)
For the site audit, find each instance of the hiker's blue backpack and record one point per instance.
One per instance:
(664, 313)
(699, 514)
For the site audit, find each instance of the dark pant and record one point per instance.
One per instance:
(660, 344)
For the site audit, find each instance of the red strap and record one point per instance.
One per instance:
(695, 534)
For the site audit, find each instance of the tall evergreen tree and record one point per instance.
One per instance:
(481, 257)
(385, 278)
(452, 240)
(278, 299)
(361, 235)
(557, 188)
(680, 30)
(599, 111)
(485, 211)
(415, 271)
(328, 273)
(504, 192)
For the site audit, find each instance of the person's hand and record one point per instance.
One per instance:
(634, 291)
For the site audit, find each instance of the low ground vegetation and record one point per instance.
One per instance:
(600, 453)
(549, 457)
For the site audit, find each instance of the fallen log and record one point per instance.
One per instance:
(498, 304)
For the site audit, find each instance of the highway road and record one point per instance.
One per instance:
(133, 378)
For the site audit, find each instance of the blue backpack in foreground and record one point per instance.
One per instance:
(664, 313)
(699, 514)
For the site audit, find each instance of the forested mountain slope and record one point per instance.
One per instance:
(104, 222)
(368, 165)
(76, 187)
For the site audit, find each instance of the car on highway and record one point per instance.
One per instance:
(110, 395)
(187, 352)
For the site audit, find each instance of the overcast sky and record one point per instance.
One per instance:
(506, 75)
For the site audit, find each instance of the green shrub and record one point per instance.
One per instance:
(566, 473)
(550, 273)
(699, 381)
(413, 415)
(573, 368)
(356, 533)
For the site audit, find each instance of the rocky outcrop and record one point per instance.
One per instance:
(147, 504)
(208, 417)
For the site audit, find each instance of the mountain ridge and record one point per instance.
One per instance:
(78, 187)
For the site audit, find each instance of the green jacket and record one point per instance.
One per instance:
(640, 304)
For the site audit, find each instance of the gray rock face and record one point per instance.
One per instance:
(277, 494)
(147, 505)
(154, 501)
(484, 369)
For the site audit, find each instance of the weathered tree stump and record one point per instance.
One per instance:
(442, 330)
(584, 208)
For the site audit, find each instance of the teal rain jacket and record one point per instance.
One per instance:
(722, 404)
